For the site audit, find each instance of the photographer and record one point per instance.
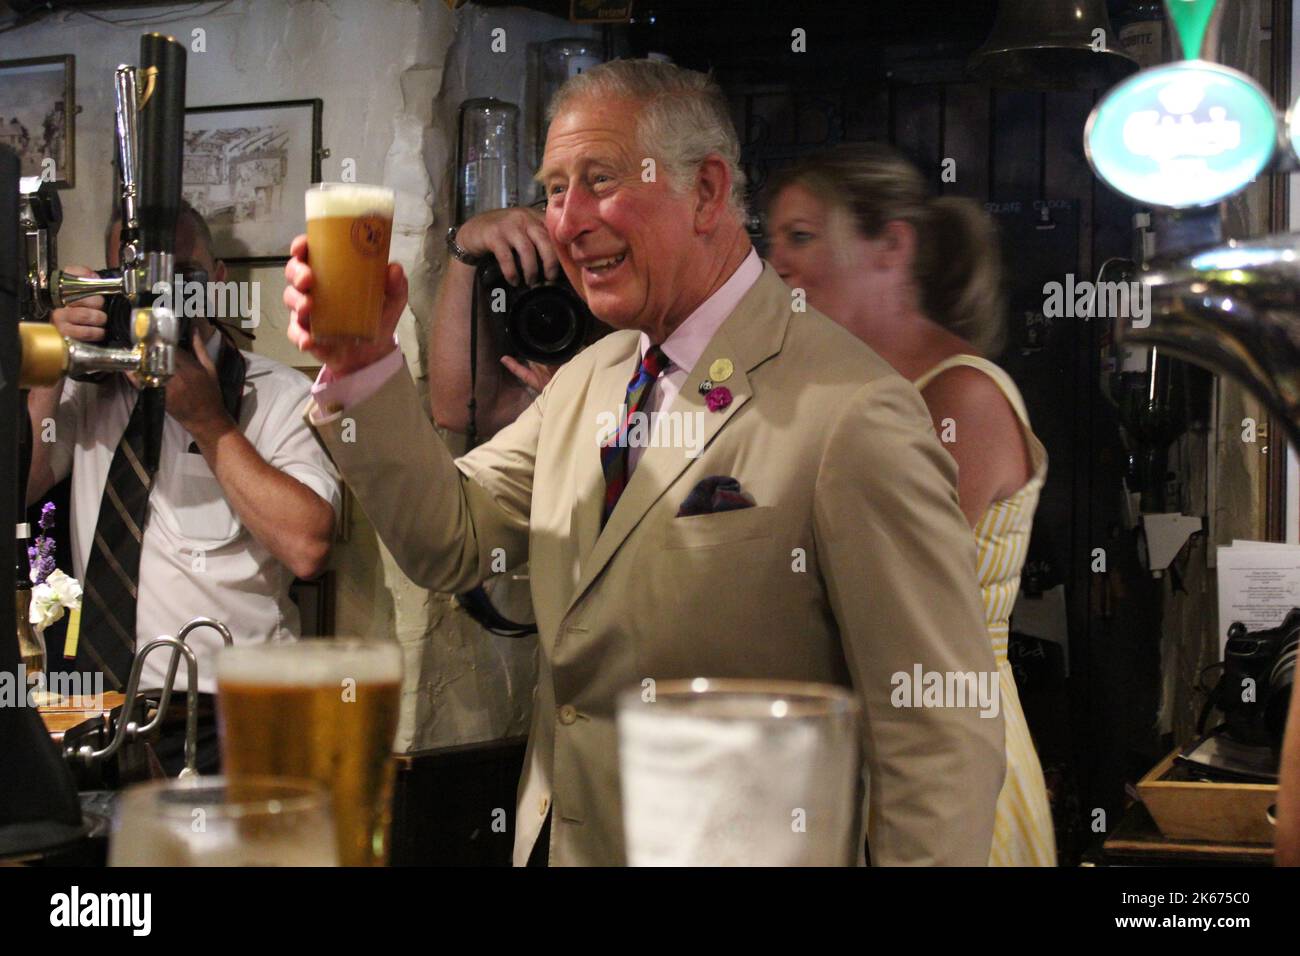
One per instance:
(515, 238)
(243, 499)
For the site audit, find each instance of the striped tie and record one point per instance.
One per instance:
(108, 613)
(613, 454)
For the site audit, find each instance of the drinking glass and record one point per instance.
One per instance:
(215, 821)
(349, 227)
(739, 773)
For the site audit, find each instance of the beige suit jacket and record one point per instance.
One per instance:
(838, 452)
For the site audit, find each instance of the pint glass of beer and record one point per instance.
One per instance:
(319, 709)
(348, 229)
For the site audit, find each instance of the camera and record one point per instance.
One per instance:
(1254, 692)
(117, 330)
(546, 323)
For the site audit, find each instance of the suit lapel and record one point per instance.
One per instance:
(608, 385)
(763, 315)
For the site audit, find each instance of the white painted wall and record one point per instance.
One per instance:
(350, 53)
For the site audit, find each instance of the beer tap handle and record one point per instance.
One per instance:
(66, 288)
(46, 355)
(127, 126)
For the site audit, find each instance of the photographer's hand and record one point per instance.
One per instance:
(506, 233)
(194, 395)
(86, 321)
(533, 375)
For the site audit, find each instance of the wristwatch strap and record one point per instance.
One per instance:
(457, 252)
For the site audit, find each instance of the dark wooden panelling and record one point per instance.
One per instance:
(866, 114)
(966, 138)
(918, 124)
(1066, 174)
(446, 803)
(1016, 132)
(819, 119)
(772, 120)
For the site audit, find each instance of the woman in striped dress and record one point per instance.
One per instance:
(918, 279)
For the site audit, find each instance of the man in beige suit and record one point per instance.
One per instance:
(853, 564)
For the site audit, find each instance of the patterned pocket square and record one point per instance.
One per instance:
(717, 493)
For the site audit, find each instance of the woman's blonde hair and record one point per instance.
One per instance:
(957, 269)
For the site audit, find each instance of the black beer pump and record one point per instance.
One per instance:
(150, 116)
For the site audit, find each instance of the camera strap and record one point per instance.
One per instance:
(232, 369)
(476, 602)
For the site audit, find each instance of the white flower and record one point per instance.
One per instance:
(45, 607)
(51, 598)
(67, 588)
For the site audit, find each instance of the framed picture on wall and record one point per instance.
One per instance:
(246, 168)
(37, 111)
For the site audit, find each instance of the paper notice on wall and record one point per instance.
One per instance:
(1259, 582)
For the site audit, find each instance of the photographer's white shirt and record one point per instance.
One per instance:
(197, 559)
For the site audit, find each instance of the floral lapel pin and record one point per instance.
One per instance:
(716, 395)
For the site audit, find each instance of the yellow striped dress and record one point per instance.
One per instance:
(1022, 832)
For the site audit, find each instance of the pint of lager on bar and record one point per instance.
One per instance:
(348, 229)
(323, 710)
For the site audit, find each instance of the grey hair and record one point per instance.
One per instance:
(684, 116)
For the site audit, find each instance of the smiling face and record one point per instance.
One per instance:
(629, 247)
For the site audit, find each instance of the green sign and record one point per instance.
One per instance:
(1182, 135)
(1191, 19)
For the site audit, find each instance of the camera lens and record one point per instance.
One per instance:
(549, 324)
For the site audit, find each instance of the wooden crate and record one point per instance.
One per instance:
(1196, 810)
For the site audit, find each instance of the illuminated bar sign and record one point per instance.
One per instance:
(1183, 135)
(1293, 127)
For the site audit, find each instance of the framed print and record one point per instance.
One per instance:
(246, 169)
(37, 111)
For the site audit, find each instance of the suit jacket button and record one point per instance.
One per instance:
(568, 714)
(543, 805)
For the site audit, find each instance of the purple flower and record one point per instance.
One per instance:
(41, 556)
(718, 398)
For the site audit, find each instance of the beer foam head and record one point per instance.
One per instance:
(309, 663)
(348, 200)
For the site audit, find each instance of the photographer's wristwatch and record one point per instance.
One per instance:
(457, 252)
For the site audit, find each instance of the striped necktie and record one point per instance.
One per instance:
(614, 453)
(108, 614)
